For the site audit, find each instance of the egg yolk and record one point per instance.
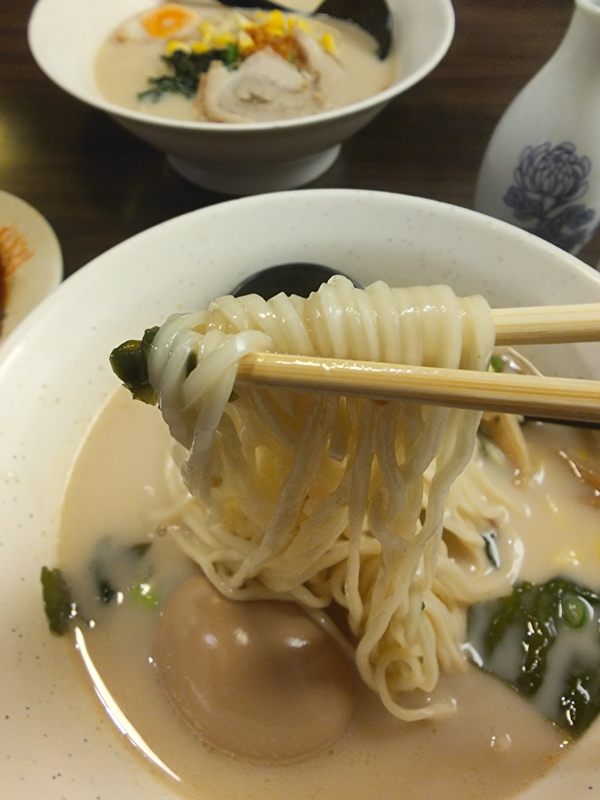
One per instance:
(258, 679)
(168, 20)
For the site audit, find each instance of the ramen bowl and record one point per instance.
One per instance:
(65, 36)
(57, 739)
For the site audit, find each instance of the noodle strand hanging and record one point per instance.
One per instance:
(327, 499)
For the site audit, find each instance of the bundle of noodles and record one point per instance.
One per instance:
(323, 499)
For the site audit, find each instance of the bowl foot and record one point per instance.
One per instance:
(241, 180)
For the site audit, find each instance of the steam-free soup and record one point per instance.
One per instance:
(494, 745)
(206, 62)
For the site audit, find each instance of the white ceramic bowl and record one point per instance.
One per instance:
(54, 377)
(64, 37)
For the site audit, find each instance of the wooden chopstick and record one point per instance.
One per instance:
(567, 399)
(529, 395)
(547, 324)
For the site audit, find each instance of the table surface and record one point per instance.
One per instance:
(97, 185)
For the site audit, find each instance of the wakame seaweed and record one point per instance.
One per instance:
(185, 69)
(544, 640)
(114, 569)
(58, 601)
(492, 552)
(118, 570)
(129, 362)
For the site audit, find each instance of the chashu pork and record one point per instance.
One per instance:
(265, 87)
(326, 70)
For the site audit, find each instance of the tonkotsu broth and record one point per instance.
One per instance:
(495, 745)
(123, 68)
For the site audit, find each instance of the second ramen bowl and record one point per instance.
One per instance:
(65, 35)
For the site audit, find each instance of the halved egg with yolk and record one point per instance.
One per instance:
(258, 679)
(170, 19)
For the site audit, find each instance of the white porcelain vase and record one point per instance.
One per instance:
(541, 170)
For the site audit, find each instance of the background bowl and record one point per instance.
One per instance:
(55, 377)
(64, 37)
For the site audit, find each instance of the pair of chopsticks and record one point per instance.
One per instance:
(564, 399)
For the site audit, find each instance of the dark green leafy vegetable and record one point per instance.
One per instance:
(544, 639)
(58, 601)
(117, 569)
(114, 569)
(129, 363)
(185, 69)
(580, 701)
(490, 539)
(140, 549)
(104, 588)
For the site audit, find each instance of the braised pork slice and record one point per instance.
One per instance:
(265, 87)
(326, 70)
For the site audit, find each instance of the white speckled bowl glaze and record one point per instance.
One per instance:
(55, 740)
(64, 37)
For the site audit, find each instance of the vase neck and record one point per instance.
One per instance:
(581, 41)
(588, 6)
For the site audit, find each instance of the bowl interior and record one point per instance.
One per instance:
(54, 378)
(64, 36)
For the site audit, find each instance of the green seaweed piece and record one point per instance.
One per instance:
(490, 539)
(580, 699)
(129, 362)
(513, 637)
(117, 570)
(58, 601)
(140, 549)
(185, 69)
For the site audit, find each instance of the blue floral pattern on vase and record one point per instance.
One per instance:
(548, 180)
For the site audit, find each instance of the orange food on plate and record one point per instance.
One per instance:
(14, 251)
(2, 290)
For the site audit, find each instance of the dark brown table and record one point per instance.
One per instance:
(97, 185)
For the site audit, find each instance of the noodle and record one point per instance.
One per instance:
(327, 499)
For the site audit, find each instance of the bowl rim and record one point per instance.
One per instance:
(419, 204)
(132, 116)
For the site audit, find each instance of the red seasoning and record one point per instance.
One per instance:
(14, 252)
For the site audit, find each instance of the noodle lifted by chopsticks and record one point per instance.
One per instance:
(326, 498)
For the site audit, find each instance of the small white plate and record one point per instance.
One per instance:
(31, 256)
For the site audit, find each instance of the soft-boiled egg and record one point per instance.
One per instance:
(258, 679)
(166, 21)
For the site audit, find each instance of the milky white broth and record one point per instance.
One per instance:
(122, 70)
(494, 746)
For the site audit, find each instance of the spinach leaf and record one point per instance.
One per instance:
(129, 362)
(544, 640)
(58, 601)
(119, 570)
(185, 69)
